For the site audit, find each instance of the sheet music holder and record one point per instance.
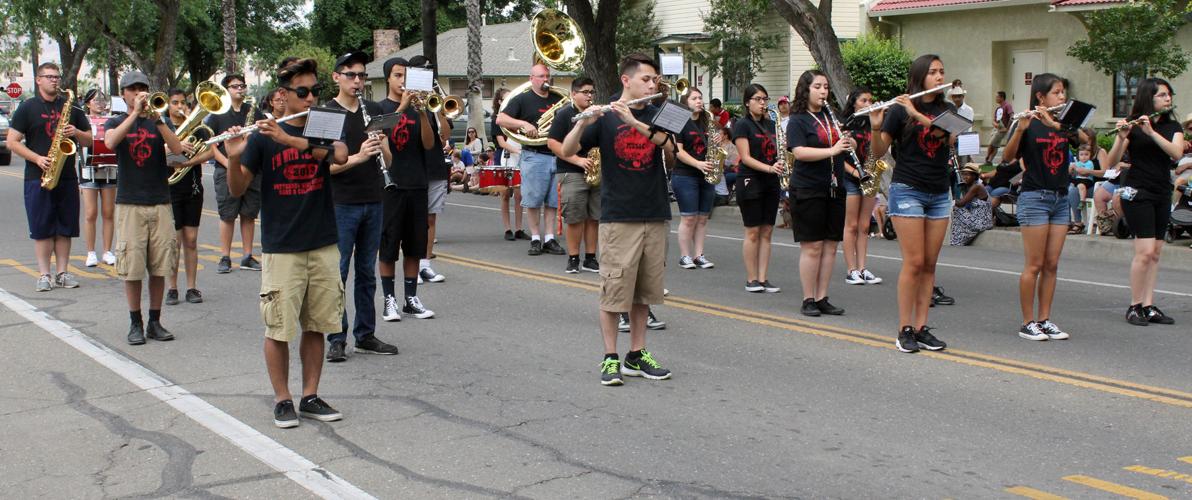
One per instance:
(382, 122)
(672, 64)
(420, 79)
(968, 144)
(325, 125)
(952, 123)
(672, 117)
(1075, 114)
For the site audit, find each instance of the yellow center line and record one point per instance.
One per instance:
(1041, 372)
(1116, 489)
(1028, 492)
(1187, 460)
(1160, 473)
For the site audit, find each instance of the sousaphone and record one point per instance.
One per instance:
(559, 45)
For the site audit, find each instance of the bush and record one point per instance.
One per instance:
(878, 63)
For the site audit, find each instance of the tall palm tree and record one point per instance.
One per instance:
(475, 69)
(229, 35)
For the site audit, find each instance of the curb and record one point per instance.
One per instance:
(1107, 249)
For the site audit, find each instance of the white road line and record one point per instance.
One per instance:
(939, 264)
(296, 467)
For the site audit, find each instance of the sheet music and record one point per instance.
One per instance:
(672, 117)
(968, 144)
(324, 123)
(420, 79)
(672, 64)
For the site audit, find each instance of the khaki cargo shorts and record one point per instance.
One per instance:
(146, 243)
(578, 202)
(632, 263)
(301, 292)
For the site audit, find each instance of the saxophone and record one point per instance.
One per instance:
(250, 101)
(592, 175)
(875, 168)
(716, 154)
(60, 146)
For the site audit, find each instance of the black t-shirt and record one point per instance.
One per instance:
(632, 179)
(498, 151)
(1150, 167)
(762, 147)
(233, 118)
(803, 130)
(361, 183)
(922, 160)
(558, 131)
(1003, 174)
(192, 184)
(529, 106)
(37, 119)
(143, 177)
(1044, 151)
(695, 142)
(297, 213)
(408, 168)
(438, 167)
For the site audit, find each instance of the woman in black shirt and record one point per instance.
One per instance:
(858, 207)
(1153, 146)
(817, 189)
(506, 154)
(919, 200)
(1043, 211)
(693, 193)
(757, 186)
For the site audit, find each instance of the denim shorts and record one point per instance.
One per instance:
(906, 201)
(538, 180)
(1041, 207)
(694, 194)
(851, 188)
(998, 192)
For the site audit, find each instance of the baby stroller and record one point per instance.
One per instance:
(1181, 216)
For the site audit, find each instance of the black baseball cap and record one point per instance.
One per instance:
(421, 61)
(394, 61)
(350, 58)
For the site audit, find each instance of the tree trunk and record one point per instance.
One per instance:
(600, 39)
(475, 69)
(71, 56)
(161, 68)
(814, 26)
(113, 74)
(229, 35)
(430, 32)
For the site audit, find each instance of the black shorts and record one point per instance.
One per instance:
(187, 211)
(404, 224)
(1088, 183)
(760, 211)
(52, 213)
(1147, 218)
(817, 217)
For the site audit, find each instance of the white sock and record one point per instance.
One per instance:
(423, 264)
(535, 238)
(549, 236)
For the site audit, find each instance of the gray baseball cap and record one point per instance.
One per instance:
(132, 78)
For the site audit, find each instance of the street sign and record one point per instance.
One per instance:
(14, 90)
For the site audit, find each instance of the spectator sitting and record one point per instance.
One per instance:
(1105, 200)
(1001, 181)
(972, 213)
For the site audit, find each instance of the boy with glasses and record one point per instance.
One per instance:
(579, 202)
(247, 206)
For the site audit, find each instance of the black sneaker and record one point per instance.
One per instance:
(509, 235)
(249, 263)
(928, 341)
(810, 308)
(521, 235)
(572, 265)
(415, 308)
(335, 352)
(906, 340)
(284, 415)
(610, 372)
(653, 323)
(770, 287)
(155, 331)
(225, 265)
(1154, 315)
(553, 247)
(827, 307)
(314, 407)
(372, 345)
(623, 322)
(1032, 331)
(754, 286)
(590, 265)
(172, 297)
(193, 296)
(938, 297)
(136, 334)
(535, 247)
(1136, 316)
(1053, 332)
(644, 366)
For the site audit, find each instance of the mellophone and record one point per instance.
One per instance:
(99, 162)
(494, 177)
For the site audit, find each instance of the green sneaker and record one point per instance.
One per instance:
(644, 366)
(610, 372)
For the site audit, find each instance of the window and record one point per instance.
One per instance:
(733, 93)
(1124, 88)
(459, 87)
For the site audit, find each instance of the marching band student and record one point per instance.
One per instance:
(1042, 204)
(635, 211)
(757, 186)
(146, 243)
(817, 195)
(694, 194)
(357, 188)
(98, 194)
(507, 154)
(438, 173)
(858, 208)
(579, 202)
(300, 285)
(186, 200)
(1153, 146)
(53, 215)
(919, 201)
(248, 206)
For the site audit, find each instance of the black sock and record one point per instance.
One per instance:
(589, 256)
(411, 287)
(611, 355)
(387, 285)
(135, 316)
(633, 355)
(155, 315)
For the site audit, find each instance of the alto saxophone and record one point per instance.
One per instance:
(716, 154)
(875, 167)
(592, 175)
(60, 146)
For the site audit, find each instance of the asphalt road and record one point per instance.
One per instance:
(498, 395)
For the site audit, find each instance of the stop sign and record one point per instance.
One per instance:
(14, 90)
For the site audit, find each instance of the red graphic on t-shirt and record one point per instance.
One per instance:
(400, 135)
(51, 119)
(698, 147)
(138, 145)
(928, 142)
(1055, 149)
(826, 136)
(300, 170)
(634, 150)
(863, 139)
(769, 149)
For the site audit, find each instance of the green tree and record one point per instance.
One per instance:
(1137, 38)
(303, 49)
(64, 21)
(736, 46)
(813, 23)
(878, 63)
(347, 25)
(637, 29)
(599, 29)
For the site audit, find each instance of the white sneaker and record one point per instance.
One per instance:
(392, 313)
(1053, 332)
(704, 263)
(92, 260)
(1031, 331)
(869, 277)
(109, 258)
(854, 278)
(429, 274)
(414, 308)
(685, 262)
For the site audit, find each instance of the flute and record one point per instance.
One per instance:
(607, 107)
(1136, 121)
(250, 129)
(1032, 112)
(885, 104)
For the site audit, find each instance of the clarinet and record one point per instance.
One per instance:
(389, 185)
(957, 193)
(862, 174)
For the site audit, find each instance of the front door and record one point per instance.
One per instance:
(1024, 65)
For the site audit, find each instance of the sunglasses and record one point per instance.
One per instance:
(352, 75)
(303, 92)
(238, 86)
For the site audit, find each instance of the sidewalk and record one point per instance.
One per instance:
(1107, 249)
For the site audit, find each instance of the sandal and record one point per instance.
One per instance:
(1077, 228)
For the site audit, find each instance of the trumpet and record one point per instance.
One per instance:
(157, 102)
(885, 104)
(591, 111)
(251, 128)
(450, 105)
(1136, 121)
(681, 86)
